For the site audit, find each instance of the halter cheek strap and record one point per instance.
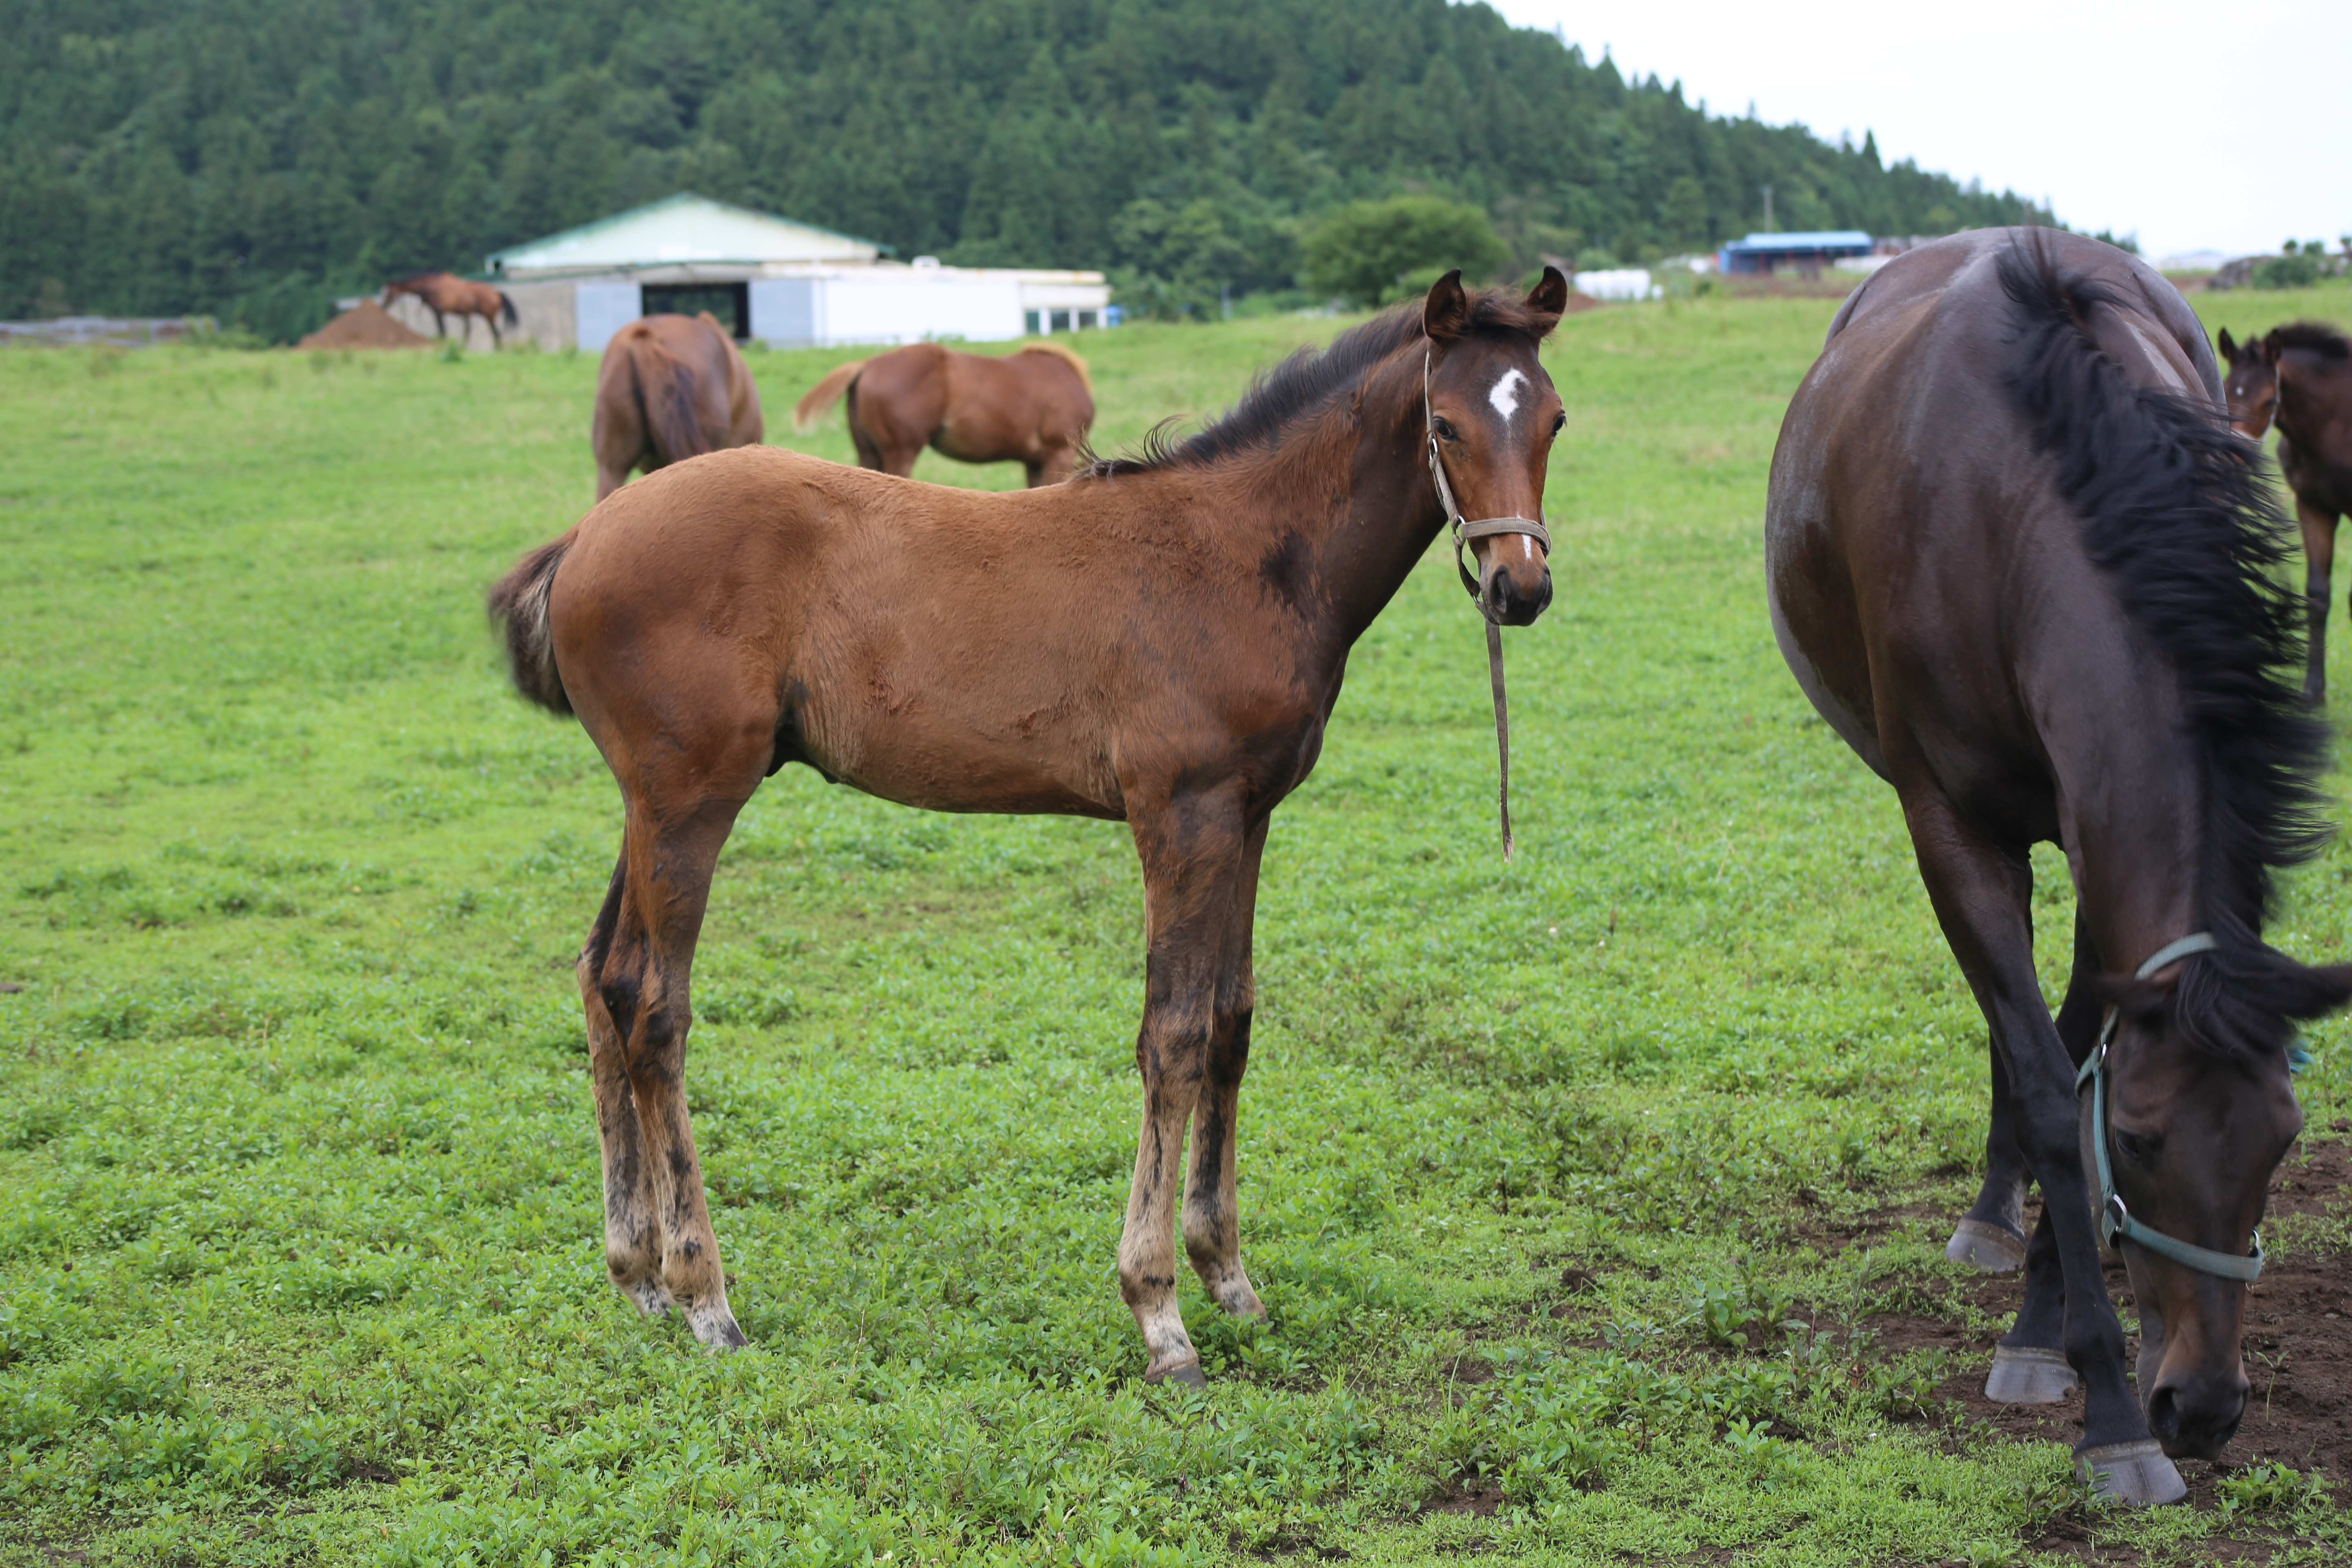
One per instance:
(2115, 1221)
(1464, 532)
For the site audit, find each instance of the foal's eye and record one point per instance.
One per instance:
(2134, 1148)
(1445, 432)
(1558, 422)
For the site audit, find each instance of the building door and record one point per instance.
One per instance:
(731, 303)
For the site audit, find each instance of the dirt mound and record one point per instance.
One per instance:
(364, 326)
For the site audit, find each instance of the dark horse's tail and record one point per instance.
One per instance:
(2178, 515)
(506, 308)
(519, 607)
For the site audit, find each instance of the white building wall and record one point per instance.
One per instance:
(906, 307)
(601, 310)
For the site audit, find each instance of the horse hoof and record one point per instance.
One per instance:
(1980, 1244)
(2028, 1375)
(2135, 1473)
(1190, 1374)
(715, 1327)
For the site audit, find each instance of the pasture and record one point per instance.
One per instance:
(1597, 1200)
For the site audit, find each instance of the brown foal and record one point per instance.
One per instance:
(2299, 377)
(1158, 642)
(445, 295)
(669, 388)
(1033, 407)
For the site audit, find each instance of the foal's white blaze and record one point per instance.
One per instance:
(1506, 395)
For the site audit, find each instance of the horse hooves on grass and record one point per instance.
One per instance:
(2028, 1375)
(717, 1331)
(1980, 1244)
(2136, 1473)
(1190, 1374)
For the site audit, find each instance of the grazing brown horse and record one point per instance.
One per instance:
(1033, 407)
(445, 295)
(2020, 562)
(669, 388)
(2299, 377)
(1158, 642)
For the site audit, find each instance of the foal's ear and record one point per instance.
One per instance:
(2229, 349)
(1446, 313)
(2270, 347)
(1550, 296)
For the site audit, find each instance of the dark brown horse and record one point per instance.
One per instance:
(1033, 407)
(1158, 642)
(2020, 562)
(445, 295)
(2299, 377)
(669, 388)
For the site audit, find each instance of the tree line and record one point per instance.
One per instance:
(253, 158)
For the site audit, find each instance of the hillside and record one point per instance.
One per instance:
(160, 157)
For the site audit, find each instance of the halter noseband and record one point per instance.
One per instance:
(1464, 531)
(2114, 1219)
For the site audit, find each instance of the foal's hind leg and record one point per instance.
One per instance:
(632, 1219)
(2318, 560)
(1992, 1235)
(1211, 1220)
(1192, 852)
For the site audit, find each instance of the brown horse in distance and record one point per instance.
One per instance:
(2299, 377)
(1033, 407)
(2021, 565)
(669, 388)
(1158, 642)
(445, 295)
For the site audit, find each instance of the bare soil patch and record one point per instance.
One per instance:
(367, 325)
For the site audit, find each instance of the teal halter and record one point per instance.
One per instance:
(2114, 1219)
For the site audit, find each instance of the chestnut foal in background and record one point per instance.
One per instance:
(1033, 406)
(669, 388)
(1158, 642)
(2299, 377)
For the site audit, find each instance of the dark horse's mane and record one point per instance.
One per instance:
(2318, 336)
(2177, 514)
(1304, 383)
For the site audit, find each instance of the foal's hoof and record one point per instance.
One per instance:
(715, 1327)
(648, 1296)
(1982, 1245)
(2028, 1375)
(1189, 1373)
(2136, 1473)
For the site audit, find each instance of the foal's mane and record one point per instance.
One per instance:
(2178, 515)
(1307, 381)
(2317, 336)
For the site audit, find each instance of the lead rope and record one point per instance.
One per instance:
(1462, 533)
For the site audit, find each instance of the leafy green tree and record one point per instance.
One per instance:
(1367, 252)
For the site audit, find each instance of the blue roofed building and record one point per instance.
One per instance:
(1806, 252)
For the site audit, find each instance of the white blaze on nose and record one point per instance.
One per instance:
(1506, 395)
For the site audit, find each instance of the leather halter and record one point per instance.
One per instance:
(1463, 531)
(2114, 1219)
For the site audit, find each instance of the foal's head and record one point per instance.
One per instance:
(2249, 380)
(1495, 413)
(2200, 1110)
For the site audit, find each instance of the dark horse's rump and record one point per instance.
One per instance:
(2019, 563)
(1161, 646)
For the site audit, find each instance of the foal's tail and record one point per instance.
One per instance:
(665, 387)
(824, 394)
(518, 606)
(506, 307)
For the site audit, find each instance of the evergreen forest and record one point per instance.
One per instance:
(252, 159)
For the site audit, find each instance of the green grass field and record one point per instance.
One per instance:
(299, 1237)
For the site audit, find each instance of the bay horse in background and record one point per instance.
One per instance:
(669, 388)
(1158, 642)
(445, 295)
(2299, 377)
(1033, 407)
(2019, 562)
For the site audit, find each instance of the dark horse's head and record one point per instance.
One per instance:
(1494, 413)
(2200, 1110)
(2250, 380)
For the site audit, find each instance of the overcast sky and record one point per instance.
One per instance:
(2210, 124)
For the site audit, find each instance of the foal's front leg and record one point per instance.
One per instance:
(1191, 851)
(1211, 1216)
(2318, 526)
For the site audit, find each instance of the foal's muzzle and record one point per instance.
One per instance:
(1506, 605)
(2195, 1417)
